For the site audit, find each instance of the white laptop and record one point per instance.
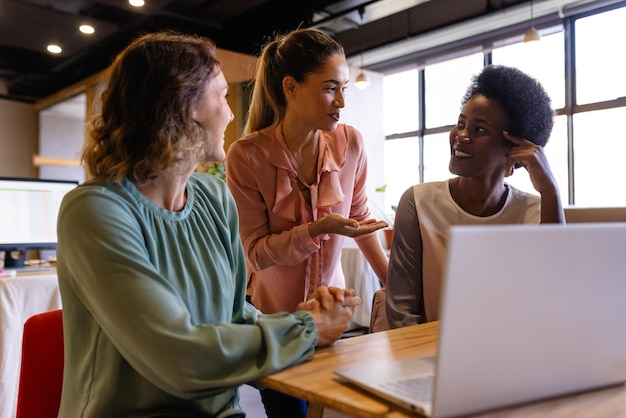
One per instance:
(528, 313)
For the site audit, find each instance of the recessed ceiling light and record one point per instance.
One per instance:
(54, 49)
(88, 29)
(136, 3)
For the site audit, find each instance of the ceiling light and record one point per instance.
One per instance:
(54, 49)
(361, 81)
(136, 3)
(87, 29)
(532, 35)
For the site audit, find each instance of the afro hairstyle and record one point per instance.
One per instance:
(523, 98)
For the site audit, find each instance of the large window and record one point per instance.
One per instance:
(587, 88)
(600, 57)
(401, 169)
(436, 156)
(598, 161)
(400, 98)
(445, 84)
(401, 115)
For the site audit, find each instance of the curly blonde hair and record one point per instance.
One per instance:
(146, 123)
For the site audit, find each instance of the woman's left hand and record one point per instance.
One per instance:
(334, 223)
(533, 158)
(326, 296)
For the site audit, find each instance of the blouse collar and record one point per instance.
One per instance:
(327, 191)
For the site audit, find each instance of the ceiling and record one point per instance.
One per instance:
(29, 73)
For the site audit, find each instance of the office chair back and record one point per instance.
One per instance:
(378, 320)
(41, 373)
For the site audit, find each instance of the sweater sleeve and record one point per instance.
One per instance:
(405, 302)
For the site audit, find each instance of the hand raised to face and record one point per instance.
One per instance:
(533, 158)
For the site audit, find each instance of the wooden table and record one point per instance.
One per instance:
(315, 381)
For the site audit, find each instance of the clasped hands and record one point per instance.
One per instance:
(330, 309)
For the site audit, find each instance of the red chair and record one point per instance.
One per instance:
(41, 373)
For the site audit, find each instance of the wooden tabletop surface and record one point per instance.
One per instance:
(315, 381)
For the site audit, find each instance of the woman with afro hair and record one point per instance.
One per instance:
(505, 121)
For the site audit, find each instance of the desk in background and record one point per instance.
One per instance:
(315, 381)
(360, 277)
(21, 297)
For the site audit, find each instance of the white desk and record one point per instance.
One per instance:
(21, 297)
(360, 277)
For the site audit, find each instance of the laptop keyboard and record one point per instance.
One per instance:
(418, 388)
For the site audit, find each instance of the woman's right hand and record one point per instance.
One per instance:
(334, 223)
(330, 323)
(330, 309)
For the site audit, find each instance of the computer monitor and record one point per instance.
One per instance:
(28, 216)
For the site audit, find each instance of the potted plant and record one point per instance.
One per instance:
(216, 168)
(389, 219)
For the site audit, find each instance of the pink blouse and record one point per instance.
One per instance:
(284, 264)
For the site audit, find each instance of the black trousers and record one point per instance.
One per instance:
(279, 405)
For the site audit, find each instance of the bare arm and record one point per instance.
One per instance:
(336, 224)
(533, 158)
(375, 255)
